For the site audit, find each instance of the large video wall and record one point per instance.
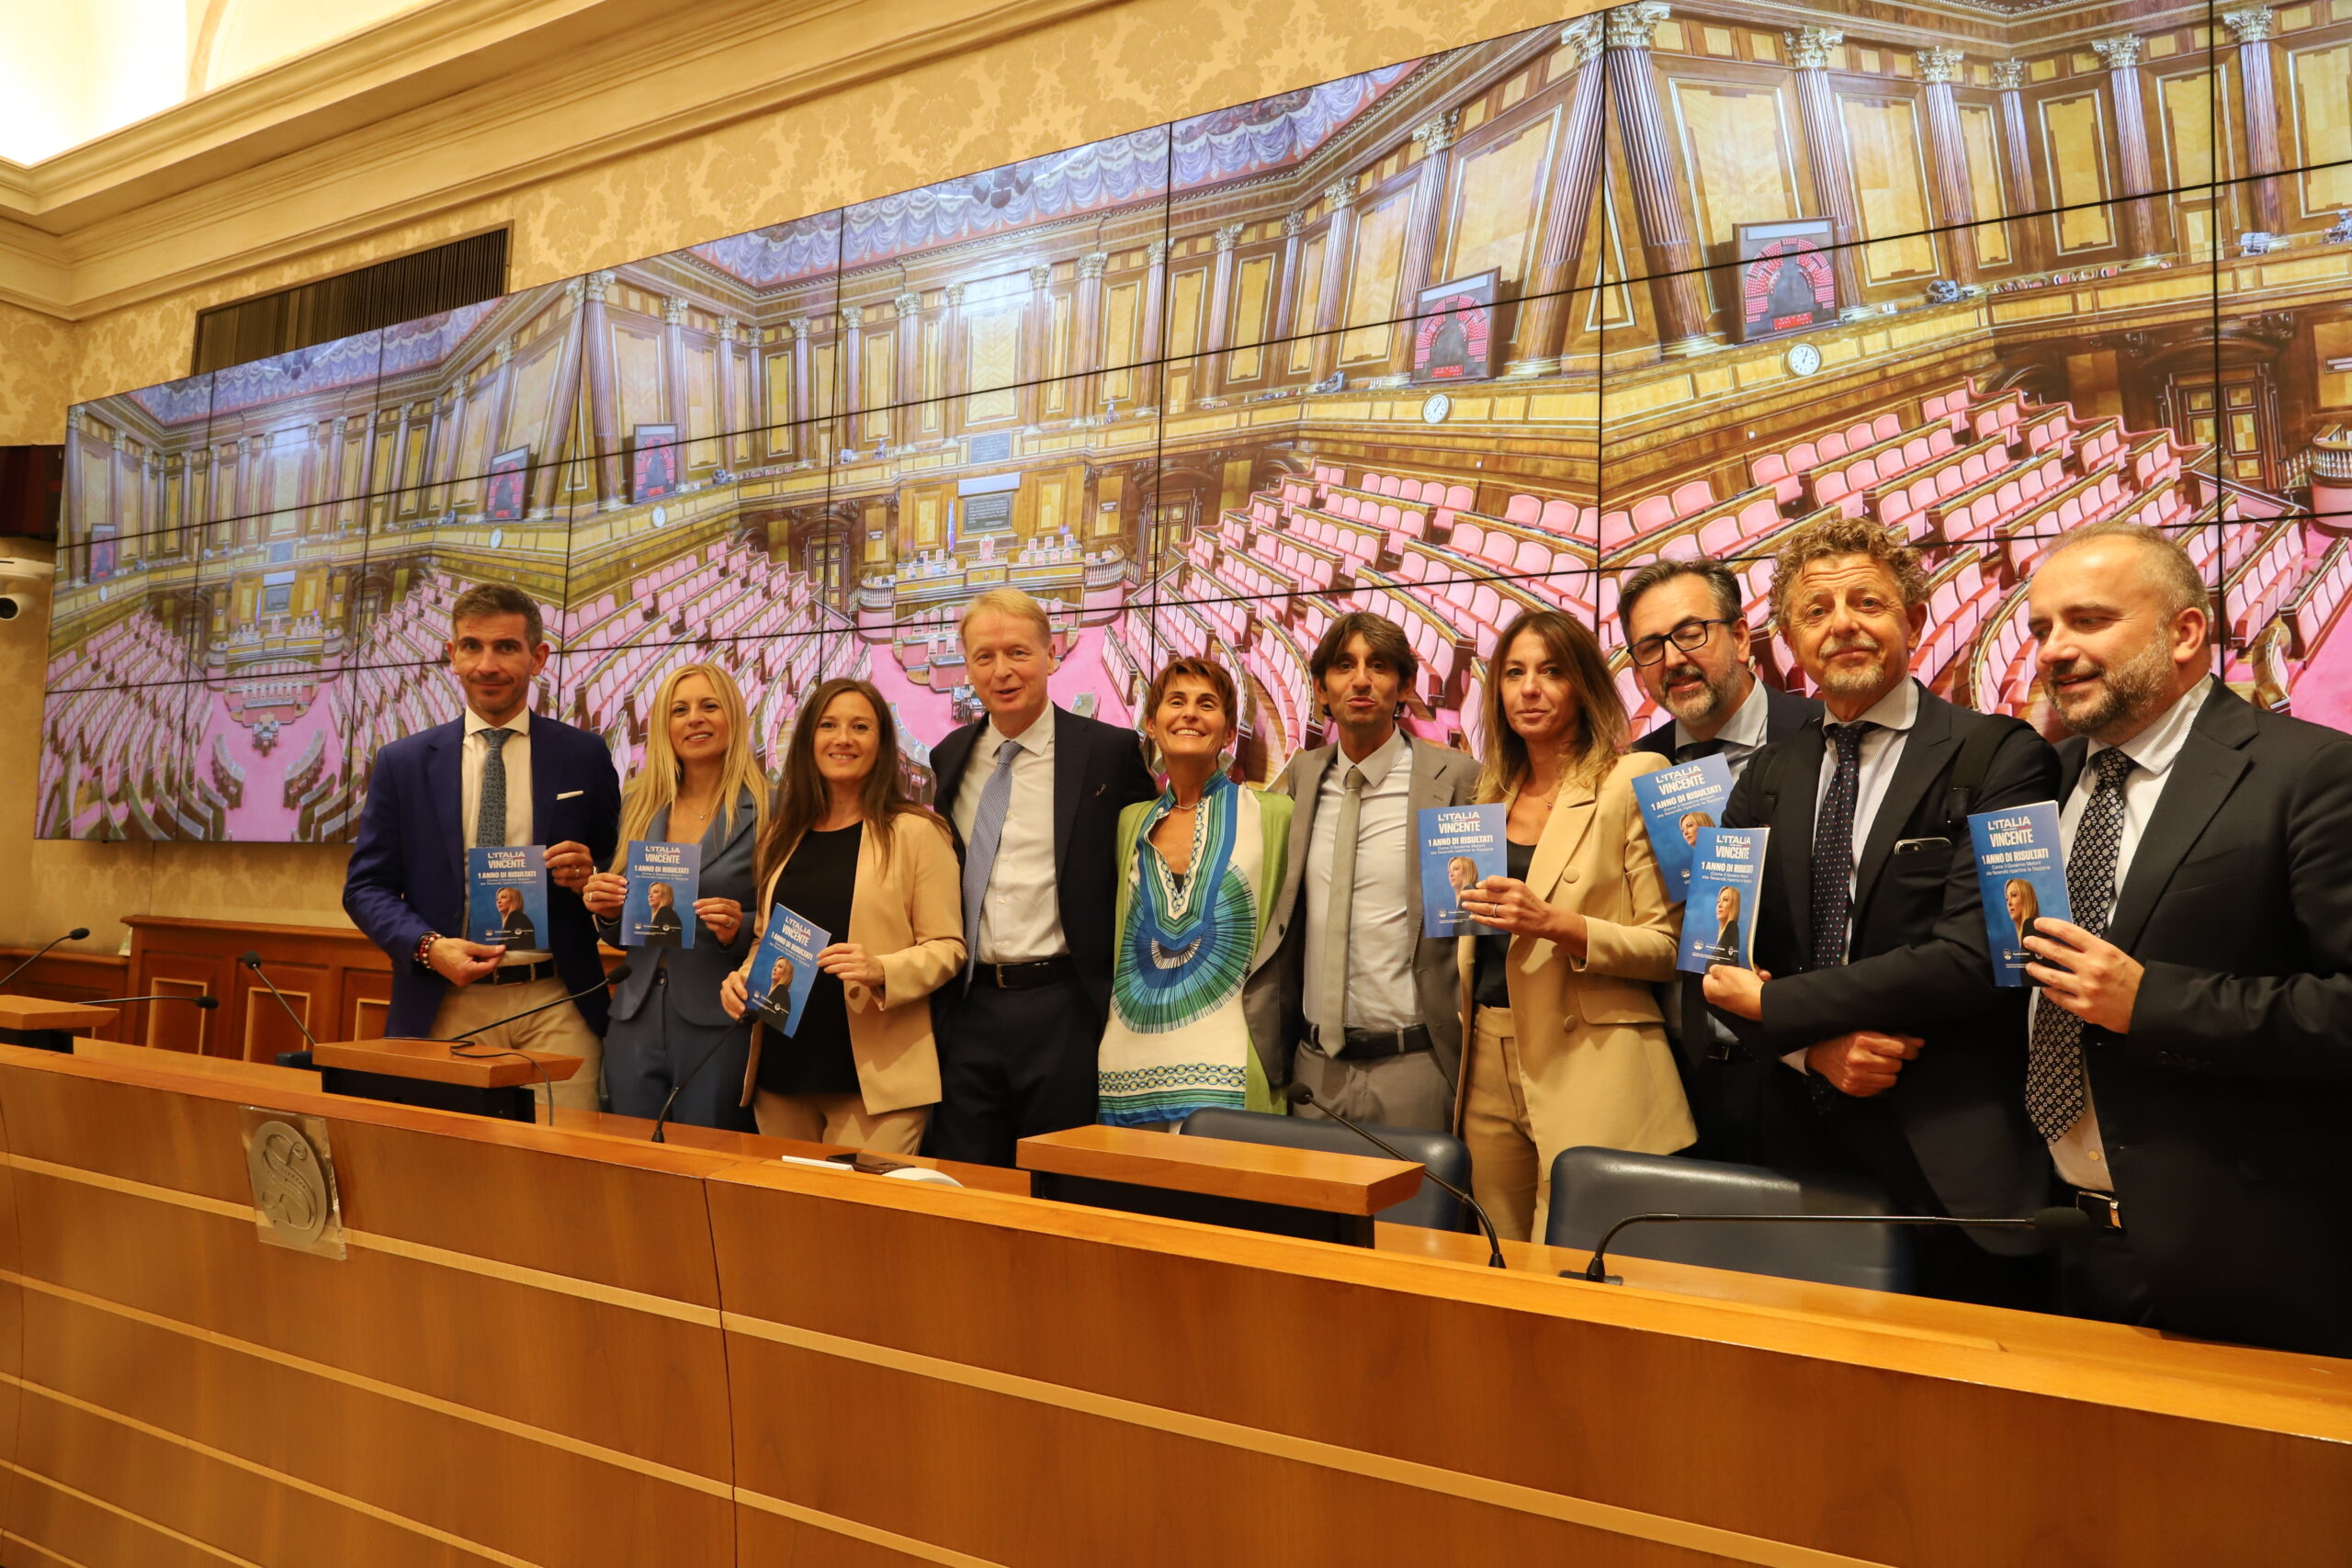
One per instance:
(1449, 339)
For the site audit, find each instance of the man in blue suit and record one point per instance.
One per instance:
(500, 775)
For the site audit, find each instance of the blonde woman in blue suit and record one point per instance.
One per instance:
(701, 785)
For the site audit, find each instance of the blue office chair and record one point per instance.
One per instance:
(1432, 1207)
(1593, 1188)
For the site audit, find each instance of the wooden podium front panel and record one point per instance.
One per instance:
(333, 977)
(1063, 1388)
(517, 1360)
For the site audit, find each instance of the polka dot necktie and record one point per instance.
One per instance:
(490, 819)
(2053, 1064)
(1833, 851)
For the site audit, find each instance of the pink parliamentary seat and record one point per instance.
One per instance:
(1999, 415)
(1903, 502)
(1976, 512)
(1843, 482)
(2256, 589)
(2311, 612)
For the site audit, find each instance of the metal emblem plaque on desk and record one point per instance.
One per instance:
(292, 1167)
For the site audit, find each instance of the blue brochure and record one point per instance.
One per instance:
(506, 896)
(1461, 845)
(1726, 881)
(2021, 870)
(1677, 803)
(783, 967)
(658, 908)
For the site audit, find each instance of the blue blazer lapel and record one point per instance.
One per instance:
(544, 777)
(445, 795)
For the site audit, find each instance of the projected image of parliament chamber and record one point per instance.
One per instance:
(1458, 337)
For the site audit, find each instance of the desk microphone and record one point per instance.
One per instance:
(207, 1003)
(1301, 1095)
(253, 962)
(76, 934)
(680, 1087)
(621, 972)
(2060, 1222)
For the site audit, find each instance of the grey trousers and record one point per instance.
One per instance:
(1410, 1090)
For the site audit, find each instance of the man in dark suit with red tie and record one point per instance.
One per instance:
(2190, 1056)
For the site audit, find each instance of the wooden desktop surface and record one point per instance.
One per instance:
(568, 1347)
(38, 1013)
(437, 1061)
(1303, 1179)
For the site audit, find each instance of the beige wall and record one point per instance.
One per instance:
(1010, 94)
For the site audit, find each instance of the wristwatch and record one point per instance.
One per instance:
(423, 956)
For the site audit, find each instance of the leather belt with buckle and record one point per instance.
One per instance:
(2105, 1211)
(1370, 1044)
(1024, 977)
(519, 974)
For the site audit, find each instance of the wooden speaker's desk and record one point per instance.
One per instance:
(571, 1348)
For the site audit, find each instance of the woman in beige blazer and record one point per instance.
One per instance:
(1564, 1043)
(848, 850)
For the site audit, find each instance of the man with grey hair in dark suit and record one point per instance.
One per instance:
(1348, 998)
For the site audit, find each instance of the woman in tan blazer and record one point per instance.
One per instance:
(1563, 1046)
(848, 850)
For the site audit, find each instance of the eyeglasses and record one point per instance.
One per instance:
(1689, 636)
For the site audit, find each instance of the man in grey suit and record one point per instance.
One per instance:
(1350, 997)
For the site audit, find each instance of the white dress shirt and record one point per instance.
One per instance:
(2080, 1156)
(1742, 733)
(1882, 749)
(1381, 943)
(1020, 914)
(516, 755)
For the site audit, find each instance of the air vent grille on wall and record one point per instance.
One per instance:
(463, 271)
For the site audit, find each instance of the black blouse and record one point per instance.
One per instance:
(817, 884)
(1488, 987)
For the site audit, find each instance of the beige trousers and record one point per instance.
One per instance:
(1509, 1172)
(840, 1119)
(560, 1030)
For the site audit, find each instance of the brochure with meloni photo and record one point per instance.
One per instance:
(1719, 917)
(2021, 872)
(1677, 803)
(658, 908)
(506, 896)
(1461, 846)
(783, 967)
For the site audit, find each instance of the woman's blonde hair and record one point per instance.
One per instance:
(654, 789)
(1601, 711)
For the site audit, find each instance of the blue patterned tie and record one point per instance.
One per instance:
(2054, 1063)
(988, 832)
(490, 818)
(1833, 851)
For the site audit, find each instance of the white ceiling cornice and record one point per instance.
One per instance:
(438, 111)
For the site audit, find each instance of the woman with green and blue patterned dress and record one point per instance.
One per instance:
(1200, 869)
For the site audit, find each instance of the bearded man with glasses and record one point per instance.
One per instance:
(1689, 639)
